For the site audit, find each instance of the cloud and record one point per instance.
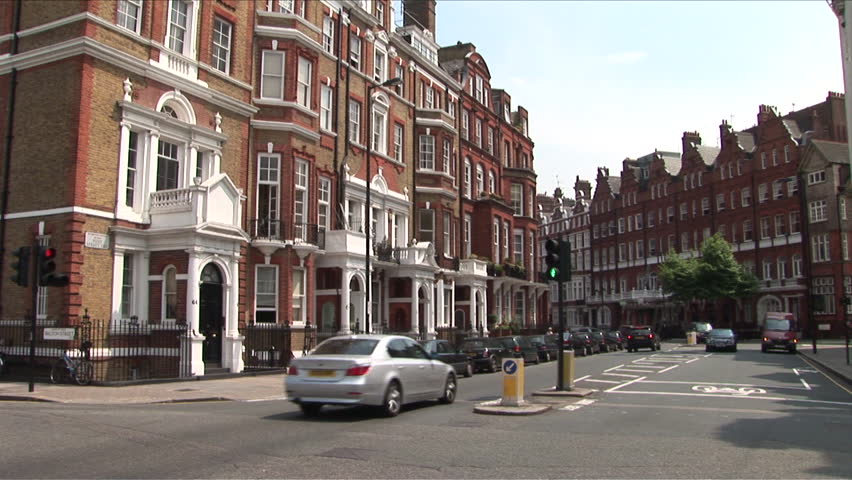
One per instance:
(623, 58)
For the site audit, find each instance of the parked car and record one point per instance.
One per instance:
(642, 338)
(521, 347)
(614, 340)
(577, 343)
(547, 345)
(443, 351)
(721, 339)
(599, 337)
(486, 353)
(584, 344)
(386, 371)
(701, 330)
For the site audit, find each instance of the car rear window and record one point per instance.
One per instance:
(346, 346)
(641, 331)
(474, 344)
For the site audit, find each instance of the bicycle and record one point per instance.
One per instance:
(66, 368)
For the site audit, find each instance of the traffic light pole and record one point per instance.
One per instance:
(33, 268)
(560, 368)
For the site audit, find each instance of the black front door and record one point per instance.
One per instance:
(210, 314)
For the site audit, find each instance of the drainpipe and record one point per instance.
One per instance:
(7, 161)
(335, 116)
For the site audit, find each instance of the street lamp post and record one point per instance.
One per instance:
(369, 207)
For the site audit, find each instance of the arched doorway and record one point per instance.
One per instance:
(768, 304)
(210, 314)
(356, 304)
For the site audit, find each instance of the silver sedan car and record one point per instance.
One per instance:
(380, 370)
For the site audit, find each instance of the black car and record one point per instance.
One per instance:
(486, 353)
(520, 347)
(599, 337)
(642, 338)
(614, 340)
(584, 344)
(720, 338)
(443, 351)
(547, 345)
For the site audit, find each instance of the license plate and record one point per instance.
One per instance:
(322, 373)
(641, 337)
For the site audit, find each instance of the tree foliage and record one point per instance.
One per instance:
(712, 276)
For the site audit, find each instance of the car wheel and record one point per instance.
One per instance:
(707, 349)
(393, 400)
(792, 349)
(468, 370)
(310, 409)
(450, 389)
(493, 366)
(537, 360)
(734, 349)
(547, 357)
(763, 348)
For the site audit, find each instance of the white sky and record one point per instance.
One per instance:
(606, 80)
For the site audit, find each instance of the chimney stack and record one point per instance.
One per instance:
(420, 13)
(690, 140)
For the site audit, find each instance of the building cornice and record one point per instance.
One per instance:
(286, 127)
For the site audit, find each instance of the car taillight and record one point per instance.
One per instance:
(795, 340)
(517, 348)
(292, 371)
(357, 371)
(765, 339)
(629, 337)
(651, 336)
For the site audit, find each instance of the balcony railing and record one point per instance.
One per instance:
(275, 230)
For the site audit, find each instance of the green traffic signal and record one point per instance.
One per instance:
(553, 273)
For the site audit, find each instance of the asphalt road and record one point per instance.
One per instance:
(677, 413)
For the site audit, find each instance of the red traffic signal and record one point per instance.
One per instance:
(46, 269)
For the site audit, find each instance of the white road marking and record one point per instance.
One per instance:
(265, 399)
(648, 365)
(602, 381)
(675, 382)
(805, 383)
(693, 360)
(634, 370)
(580, 379)
(625, 384)
(622, 375)
(667, 369)
(614, 368)
(578, 405)
(733, 396)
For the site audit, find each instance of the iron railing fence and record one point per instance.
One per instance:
(266, 346)
(119, 350)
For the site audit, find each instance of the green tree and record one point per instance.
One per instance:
(713, 276)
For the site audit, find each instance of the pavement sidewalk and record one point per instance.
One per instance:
(831, 356)
(243, 388)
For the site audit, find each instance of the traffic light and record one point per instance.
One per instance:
(22, 266)
(551, 259)
(565, 261)
(46, 269)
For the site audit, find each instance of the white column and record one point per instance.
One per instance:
(196, 365)
(484, 311)
(124, 143)
(144, 290)
(233, 342)
(453, 304)
(189, 167)
(415, 306)
(439, 303)
(474, 316)
(344, 301)
(150, 173)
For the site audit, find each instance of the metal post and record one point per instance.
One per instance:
(560, 384)
(34, 270)
(368, 210)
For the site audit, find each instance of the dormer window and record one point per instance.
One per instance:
(507, 113)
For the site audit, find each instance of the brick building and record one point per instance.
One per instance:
(231, 163)
(747, 190)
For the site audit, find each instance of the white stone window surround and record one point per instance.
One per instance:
(166, 292)
(271, 291)
(386, 203)
(379, 135)
(138, 283)
(150, 126)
